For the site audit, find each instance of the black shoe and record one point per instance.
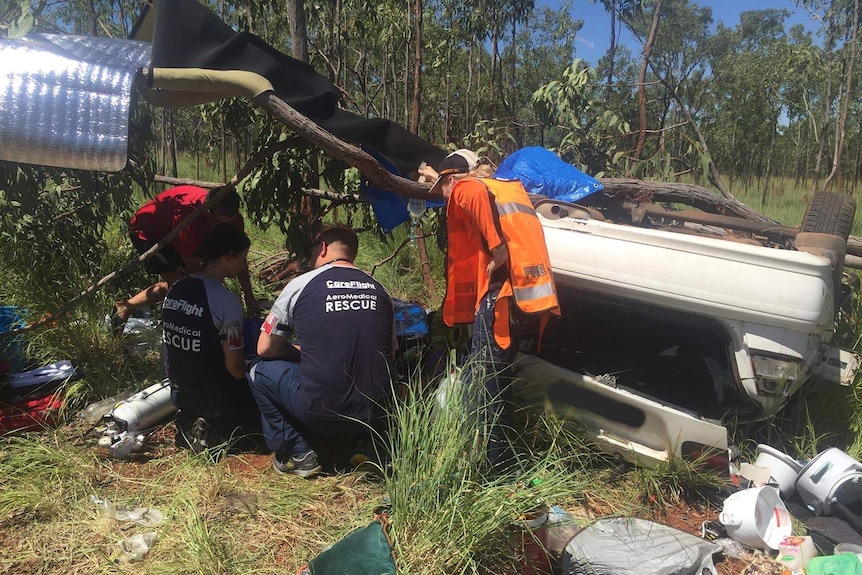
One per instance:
(306, 466)
(199, 435)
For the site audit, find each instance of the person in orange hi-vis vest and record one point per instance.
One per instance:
(498, 274)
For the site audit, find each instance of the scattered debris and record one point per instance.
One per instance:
(143, 516)
(135, 547)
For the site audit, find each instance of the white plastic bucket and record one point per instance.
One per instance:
(782, 468)
(756, 517)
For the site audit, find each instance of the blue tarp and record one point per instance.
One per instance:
(543, 173)
(389, 209)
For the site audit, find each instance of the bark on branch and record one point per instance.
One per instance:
(376, 174)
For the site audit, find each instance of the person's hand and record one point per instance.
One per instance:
(253, 307)
(501, 256)
(427, 173)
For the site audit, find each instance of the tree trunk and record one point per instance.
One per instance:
(298, 30)
(93, 21)
(764, 193)
(612, 49)
(829, 48)
(424, 263)
(417, 66)
(495, 53)
(841, 128)
(172, 141)
(642, 79)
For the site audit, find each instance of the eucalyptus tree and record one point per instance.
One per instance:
(106, 18)
(839, 20)
(579, 127)
(627, 10)
(850, 55)
(750, 80)
(674, 89)
(546, 45)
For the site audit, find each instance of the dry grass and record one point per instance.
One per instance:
(239, 516)
(236, 516)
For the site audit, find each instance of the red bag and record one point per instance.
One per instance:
(30, 414)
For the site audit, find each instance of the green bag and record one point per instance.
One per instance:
(364, 551)
(842, 564)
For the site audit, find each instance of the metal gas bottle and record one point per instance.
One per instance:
(143, 410)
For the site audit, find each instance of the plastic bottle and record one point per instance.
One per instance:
(135, 547)
(98, 409)
(795, 552)
(416, 208)
(559, 530)
(534, 553)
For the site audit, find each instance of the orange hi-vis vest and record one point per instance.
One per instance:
(482, 214)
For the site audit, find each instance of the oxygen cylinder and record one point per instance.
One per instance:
(144, 410)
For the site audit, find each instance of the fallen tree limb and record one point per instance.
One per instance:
(703, 199)
(323, 194)
(689, 194)
(376, 174)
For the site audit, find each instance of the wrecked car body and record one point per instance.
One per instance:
(671, 330)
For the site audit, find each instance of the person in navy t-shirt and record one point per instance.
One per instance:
(202, 346)
(338, 374)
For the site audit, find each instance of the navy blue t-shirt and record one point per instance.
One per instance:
(199, 313)
(343, 322)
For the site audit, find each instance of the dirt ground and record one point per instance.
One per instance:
(685, 516)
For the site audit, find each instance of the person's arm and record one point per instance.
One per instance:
(500, 255)
(252, 306)
(234, 360)
(272, 346)
(427, 173)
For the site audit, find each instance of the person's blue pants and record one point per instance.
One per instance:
(488, 362)
(274, 385)
(286, 425)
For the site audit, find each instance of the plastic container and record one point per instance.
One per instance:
(535, 559)
(98, 409)
(558, 530)
(782, 468)
(416, 208)
(795, 552)
(831, 477)
(135, 547)
(756, 517)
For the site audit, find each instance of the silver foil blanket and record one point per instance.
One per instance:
(64, 100)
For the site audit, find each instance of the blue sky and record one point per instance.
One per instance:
(593, 38)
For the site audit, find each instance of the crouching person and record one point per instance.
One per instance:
(335, 380)
(202, 349)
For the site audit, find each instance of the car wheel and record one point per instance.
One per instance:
(830, 213)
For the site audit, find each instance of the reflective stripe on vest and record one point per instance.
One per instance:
(509, 208)
(529, 266)
(535, 292)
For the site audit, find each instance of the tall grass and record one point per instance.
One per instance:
(450, 514)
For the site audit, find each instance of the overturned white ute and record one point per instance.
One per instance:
(676, 323)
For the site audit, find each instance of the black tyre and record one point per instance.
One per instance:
(830, 213)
